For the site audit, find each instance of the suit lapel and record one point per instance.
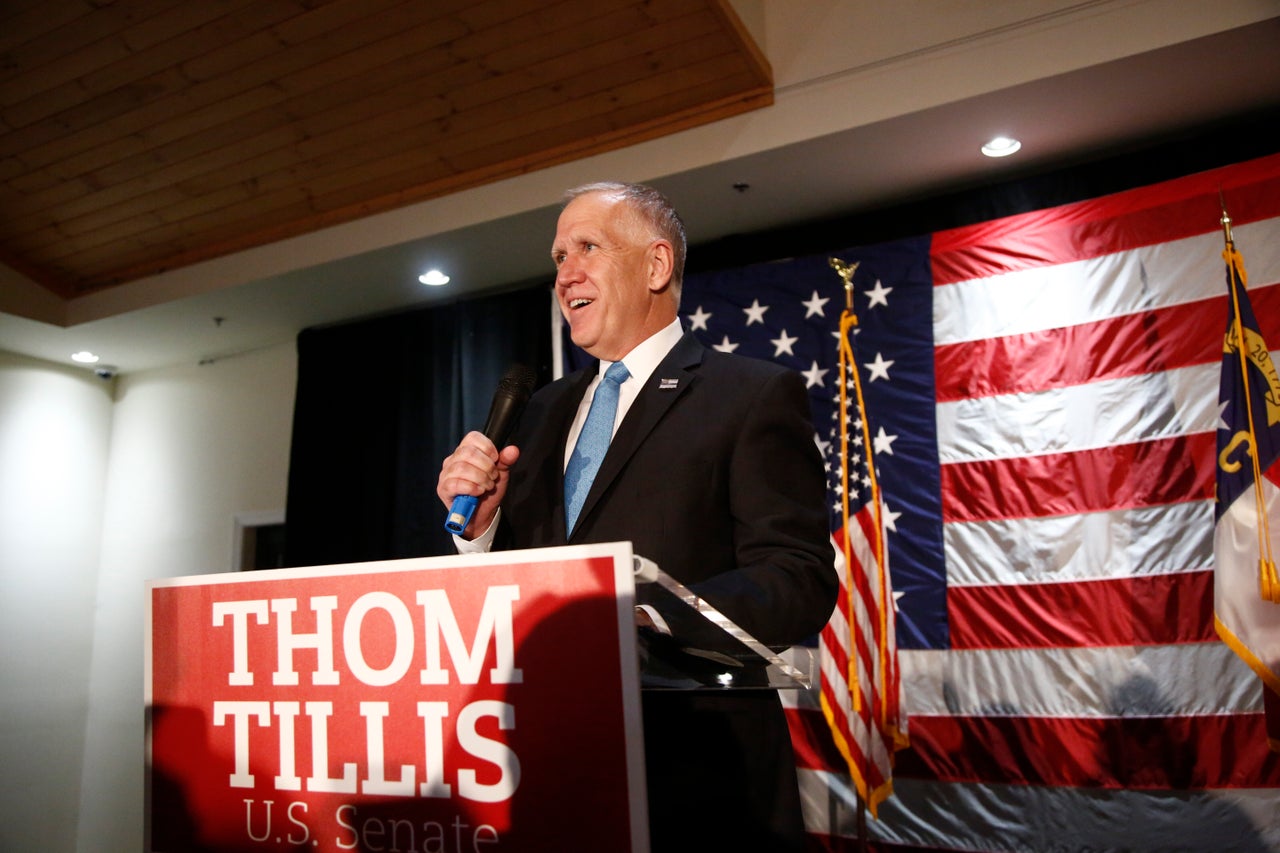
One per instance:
(669, 382)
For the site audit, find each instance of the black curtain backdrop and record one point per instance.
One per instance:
(380, 403)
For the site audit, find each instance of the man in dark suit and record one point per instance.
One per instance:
(712, 473)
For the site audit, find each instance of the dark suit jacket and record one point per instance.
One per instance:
(713, 475)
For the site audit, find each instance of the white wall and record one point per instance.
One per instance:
(55, 428)
(97, 496)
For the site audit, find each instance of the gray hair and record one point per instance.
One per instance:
(655, 209)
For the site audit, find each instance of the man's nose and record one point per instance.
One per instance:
(569, 272)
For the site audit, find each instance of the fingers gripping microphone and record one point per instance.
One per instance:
(513, 392)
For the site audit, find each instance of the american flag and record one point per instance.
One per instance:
(859, 685)
(1042, 396)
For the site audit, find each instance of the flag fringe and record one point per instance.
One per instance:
(1264, 672)
(871, 795)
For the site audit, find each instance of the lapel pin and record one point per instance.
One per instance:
(667, 384)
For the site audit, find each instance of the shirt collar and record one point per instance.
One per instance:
(649, 353)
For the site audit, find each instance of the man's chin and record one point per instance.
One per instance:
(582, 340)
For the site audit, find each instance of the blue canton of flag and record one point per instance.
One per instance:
(789, 312)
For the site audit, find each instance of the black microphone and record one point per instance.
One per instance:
(508, 401)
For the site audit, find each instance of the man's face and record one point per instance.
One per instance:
(605, 277)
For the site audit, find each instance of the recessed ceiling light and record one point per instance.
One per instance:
(84, 357)
(435, 278)
(1001, 146)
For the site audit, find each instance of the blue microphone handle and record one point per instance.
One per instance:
(460, 513)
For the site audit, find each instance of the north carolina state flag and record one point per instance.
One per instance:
(1246, 587)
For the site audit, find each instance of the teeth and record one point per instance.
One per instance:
(578, 303)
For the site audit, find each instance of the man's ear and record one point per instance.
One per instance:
(661, 265)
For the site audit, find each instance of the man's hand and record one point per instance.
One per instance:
(476, 468)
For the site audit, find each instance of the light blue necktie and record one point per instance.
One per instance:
(593, 441)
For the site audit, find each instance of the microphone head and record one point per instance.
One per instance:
(518, 381)
(513, 392)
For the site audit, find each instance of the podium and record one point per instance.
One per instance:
(455, 703)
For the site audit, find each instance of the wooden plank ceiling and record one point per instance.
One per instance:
(142, 135)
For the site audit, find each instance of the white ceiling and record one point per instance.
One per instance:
(875, 103)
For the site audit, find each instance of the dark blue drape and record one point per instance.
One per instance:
(380, 403)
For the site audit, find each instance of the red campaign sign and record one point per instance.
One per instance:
(481, 703)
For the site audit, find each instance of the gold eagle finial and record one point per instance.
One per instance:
(845, 269)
